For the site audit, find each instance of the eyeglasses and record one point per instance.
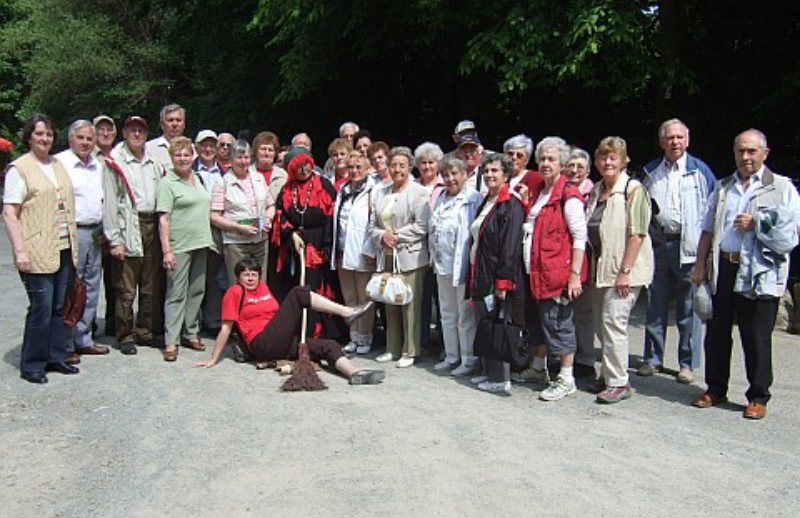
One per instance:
(224, 144)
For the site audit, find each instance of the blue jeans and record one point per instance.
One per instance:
(45, 336)
(670, 278)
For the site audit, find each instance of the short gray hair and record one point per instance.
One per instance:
(79, 124)
(400, 151)
(662, 130)
(762, 139)
(171, 108)
(557, 143)
(505, 163)
(237, 148)
(427, 151)
(347, 124)
(453, 162)
(577, 152)
(519, 141)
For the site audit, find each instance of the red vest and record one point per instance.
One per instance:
(551, 249)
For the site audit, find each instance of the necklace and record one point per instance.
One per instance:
(296, 205)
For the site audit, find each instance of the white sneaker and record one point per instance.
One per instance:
(560, 388)
(465, 370)
(477, 380)
(364, 349)
(530, 375)
(405, 361)
(385, 357)
(444, 366)
(350, 348)
(496, 387)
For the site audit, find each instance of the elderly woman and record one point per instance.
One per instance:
(338, 152)
(243, 209)
(426, 158)
(265, 148)
(305, 215)
(449, 242)
(618, 216)
(554, 262)
(39, 213)
(496, 260)
(519, 149)
(398, 227)
(362, 140)
(376, 153)
(184, 207)
(350, 220)
(270, 330)
(577, 170)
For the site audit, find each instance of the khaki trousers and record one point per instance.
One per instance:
(611, 314)
(354, 291)
(186, 285)
(403, 323)
(235, 252)
(147, 275)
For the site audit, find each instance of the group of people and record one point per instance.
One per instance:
(219, 232)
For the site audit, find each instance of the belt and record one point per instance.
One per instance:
(731, 257)
(672, 237)
(88, 225)
(147, 215)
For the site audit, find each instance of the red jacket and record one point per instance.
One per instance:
(551, 249)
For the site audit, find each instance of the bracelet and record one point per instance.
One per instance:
(625, 271)
(577, 274)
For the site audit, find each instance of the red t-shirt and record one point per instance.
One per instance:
(258, 308)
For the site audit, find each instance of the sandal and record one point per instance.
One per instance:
(170, 353)
(194, 344)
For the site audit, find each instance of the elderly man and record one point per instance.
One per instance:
(106, 132)
(130, 184)
(173, 124)
(224, 143)
(209, 172)
(348, 130)
(302, 139)
(470, 151)
(749, 228)
(679, 185)
(86, 174)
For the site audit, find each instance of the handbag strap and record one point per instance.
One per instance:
(395, 262)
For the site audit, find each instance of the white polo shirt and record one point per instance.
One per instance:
(87, 185)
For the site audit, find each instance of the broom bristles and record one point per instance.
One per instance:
(304, 376)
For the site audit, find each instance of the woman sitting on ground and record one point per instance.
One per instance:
(270, 331)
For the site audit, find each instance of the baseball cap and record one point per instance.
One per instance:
(205, 134)
(468, 140)
(103, 118)
(465, 125)
(134, 119)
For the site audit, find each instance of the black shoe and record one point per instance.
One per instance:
(127, 348)
(367, 377)
(62, 367)
(37, 377)
(358, 312)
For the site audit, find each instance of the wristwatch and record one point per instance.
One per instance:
(626, 271)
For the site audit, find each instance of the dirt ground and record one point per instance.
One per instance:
(135, 436)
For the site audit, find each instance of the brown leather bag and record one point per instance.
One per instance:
(75, 302)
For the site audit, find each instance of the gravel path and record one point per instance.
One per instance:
(135, 436)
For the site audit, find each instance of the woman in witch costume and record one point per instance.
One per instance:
(305, 210)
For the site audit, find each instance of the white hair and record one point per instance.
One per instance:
(519, 141)
(348, 124)
(171, 108)
(662, 130)
(79, 124)
(762, 139)
(427, 151)
(557, 143)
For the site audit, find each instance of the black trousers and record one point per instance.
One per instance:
(756, 319)
(279, 339)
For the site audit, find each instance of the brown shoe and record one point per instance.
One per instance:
(755, 411)
(72, 358)
(194, 344)
(707, 399)
(170, 353)
(92, 349)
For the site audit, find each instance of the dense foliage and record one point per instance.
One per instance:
(409, 70)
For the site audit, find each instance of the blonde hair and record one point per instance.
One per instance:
(613, 145)
(179, 143)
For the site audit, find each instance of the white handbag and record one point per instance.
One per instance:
(390, 288)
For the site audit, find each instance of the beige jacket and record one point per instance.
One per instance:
(410, 222)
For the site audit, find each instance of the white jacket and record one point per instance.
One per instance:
(355, 232)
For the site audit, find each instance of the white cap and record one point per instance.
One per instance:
(465, 125)
(205, 134)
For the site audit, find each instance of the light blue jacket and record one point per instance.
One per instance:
(468, 201)
(697, 183)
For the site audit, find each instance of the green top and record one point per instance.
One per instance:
(189, 207)
(638, 211)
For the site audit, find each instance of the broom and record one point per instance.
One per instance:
(304, 376)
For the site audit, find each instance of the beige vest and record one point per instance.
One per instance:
(38, 214)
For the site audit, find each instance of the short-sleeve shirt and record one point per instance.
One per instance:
(189, 207)
(257, 309)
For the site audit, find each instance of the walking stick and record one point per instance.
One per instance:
(304, 376)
